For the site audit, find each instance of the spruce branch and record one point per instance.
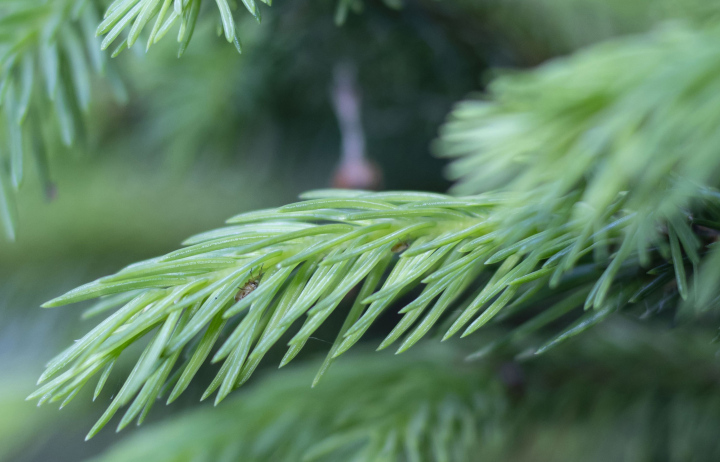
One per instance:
(629, 123)
(635, 114)
(244, 286)
(431, 406)
(48, 57)
(576, 179)
(137, 15)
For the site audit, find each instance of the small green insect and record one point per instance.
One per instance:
(400, 247)
(249, 286)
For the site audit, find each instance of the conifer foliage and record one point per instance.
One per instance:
(48, 56)
(585, 191)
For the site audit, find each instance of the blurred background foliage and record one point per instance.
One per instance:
(189, 142)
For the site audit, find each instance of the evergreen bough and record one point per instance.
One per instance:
(585, 188)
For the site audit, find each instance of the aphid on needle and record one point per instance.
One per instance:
(249, 286)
